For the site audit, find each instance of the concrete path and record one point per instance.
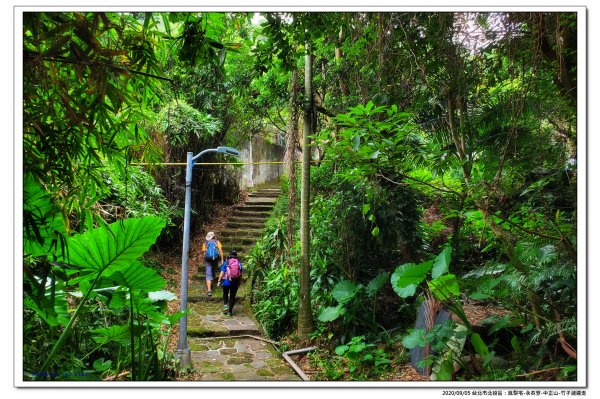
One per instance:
(222, 347)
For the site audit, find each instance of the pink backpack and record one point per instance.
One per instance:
(233, 269)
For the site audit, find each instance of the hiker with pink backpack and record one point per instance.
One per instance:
(229, 279)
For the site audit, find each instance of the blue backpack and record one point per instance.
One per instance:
(212, 250)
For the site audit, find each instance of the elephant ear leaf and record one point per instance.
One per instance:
(407, 277)
(377, 283)
(441, 263)
(344, 291)
(115, 247)
(139, 277)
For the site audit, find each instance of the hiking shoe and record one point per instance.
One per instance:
(225, 308)
(209, 293)
(229, 314)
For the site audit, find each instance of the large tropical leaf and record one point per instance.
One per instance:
(444, 287)
(344, 291)
(43, 222)
(407, 277)
(441, 263)
(117, 246)
(139, 277)
(331, 313)
(117, 333)
(377, 283)
(161, 296)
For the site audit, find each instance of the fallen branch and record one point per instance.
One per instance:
(114, 377)
(540, 372)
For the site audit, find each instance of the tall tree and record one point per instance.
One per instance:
(292, 138)
(305, 318)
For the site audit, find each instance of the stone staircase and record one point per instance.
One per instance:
(247, 222)
(220, 345)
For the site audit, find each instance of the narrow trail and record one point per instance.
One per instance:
(221, 347)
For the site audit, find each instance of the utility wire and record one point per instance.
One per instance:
(213, 163)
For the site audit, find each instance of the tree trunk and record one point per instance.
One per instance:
(291, 165)
(339, 59)
(305, 319)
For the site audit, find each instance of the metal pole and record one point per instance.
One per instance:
(183, 351)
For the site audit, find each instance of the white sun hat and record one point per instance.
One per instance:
(210, 236)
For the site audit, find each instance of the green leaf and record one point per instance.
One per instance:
(340, 350)
(331, 313)
(356, 142)
(118, 333)
(441, 263)
(117, 246)
(446, 370)
(407, 276)
(377, 283)
(118, 300)
(480, 347)
(375, 232)
(102, 365)
(499, 323)
(52, 314)
(365, 209)
(161, 296)
(416, 338)
(174, 318)
(344, 291)
(43, 222)
(139, 277)
(444, 287)
(514, 342)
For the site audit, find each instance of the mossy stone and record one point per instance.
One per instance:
(206, 366)
(280, 370)
(228, 376)
(238, 360)
(264, 373)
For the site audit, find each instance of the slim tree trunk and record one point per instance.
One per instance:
(291, 165)
(305, 319)
(339, 58)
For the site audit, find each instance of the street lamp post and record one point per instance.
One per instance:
(183, 350)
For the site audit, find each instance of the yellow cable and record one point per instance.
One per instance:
(211, 163)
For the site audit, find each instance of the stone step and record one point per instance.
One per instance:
(207, 320)
(254, 207)
(271, 194)
(268, 190)
(251, 213)
(239, 359)
(261, 201)
(247, 219)
(197, 292)
(244, 225)
(242, 232)
(237, 242)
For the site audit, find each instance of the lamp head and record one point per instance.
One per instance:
(229, 150)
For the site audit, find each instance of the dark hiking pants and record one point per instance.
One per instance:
(229, 293)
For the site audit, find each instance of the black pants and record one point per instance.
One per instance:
(229, 293)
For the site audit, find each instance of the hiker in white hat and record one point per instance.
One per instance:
(213, 255)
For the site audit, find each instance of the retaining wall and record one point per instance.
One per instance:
(258, 150)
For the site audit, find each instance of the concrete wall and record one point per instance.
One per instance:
(258, 150)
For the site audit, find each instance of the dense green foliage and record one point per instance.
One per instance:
(431, 138)
(101, 91)
(444, 174)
